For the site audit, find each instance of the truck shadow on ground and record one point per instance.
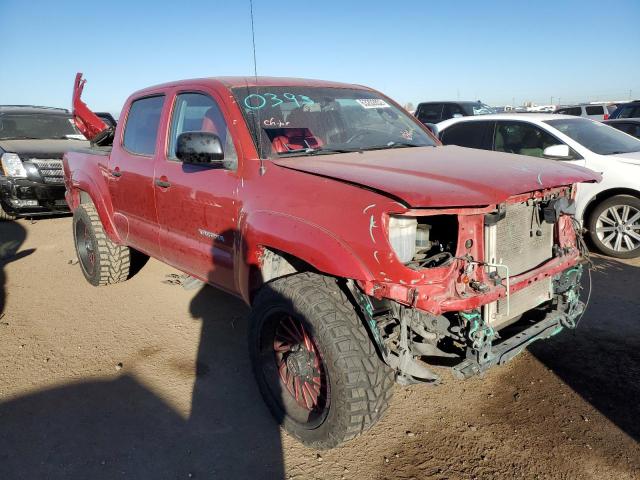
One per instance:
(600, 360)
(12, 236)
(107, 429)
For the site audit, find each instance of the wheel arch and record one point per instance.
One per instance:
(600, 197)
(274, 245)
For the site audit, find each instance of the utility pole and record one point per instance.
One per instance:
(551, 102)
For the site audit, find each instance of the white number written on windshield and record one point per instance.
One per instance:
(257, 101)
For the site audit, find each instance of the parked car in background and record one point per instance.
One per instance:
(610, 210)
(107, 118)
(626, 125)
(594, 112)
(347, 228)
(32, 141)
(435, 112)
(627, 110)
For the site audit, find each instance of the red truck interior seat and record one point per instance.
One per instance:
(295, 139)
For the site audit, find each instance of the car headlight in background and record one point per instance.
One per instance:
(402, 237)
(12, 165)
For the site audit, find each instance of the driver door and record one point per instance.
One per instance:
(198, 205)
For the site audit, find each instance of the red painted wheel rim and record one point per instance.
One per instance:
(299, 364)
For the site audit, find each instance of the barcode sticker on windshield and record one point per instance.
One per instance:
(372, 103)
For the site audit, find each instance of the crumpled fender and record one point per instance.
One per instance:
(81, 181)
(298, 237)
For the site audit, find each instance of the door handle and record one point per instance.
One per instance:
(162, 183)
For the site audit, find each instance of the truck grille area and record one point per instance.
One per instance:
(521, 241)
(50, 170)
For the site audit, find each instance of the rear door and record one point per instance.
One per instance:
(471, 134)
(198, 205)
(131, 173)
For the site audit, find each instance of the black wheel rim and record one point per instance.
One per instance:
(293, 370)
(86, 247)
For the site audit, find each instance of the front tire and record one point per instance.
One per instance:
(4, 215)
(614, 226)
(314, 362)
(102, 261)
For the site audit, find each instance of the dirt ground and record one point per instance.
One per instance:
(147, 380)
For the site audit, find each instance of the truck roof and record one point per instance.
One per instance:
(32, 109)
(251, 81)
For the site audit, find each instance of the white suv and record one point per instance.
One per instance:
(594, 112)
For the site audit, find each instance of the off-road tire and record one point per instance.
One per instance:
(112, 261)
(361, 384)
(4, 216)
(618, 200)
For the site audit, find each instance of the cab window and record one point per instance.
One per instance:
(197, 112)
(141, 130)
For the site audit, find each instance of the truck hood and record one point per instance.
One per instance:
(42, 148)
(446, 176)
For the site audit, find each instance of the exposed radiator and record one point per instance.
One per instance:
(521, 241)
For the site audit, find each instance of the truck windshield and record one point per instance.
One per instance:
(37, 126)
(291, 121)
(597, 137)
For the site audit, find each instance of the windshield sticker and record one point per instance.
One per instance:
(256, 101)
(372, 103)
(275, 123)
(407, 134)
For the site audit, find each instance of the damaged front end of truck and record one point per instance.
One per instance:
(479, 285)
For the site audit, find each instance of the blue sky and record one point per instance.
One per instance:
(495, 51)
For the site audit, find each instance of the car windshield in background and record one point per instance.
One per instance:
(291, 121)
(597, 137)
(482, 109)
(37, 126)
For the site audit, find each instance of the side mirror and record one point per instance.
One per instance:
(457, 115)
(199, 148)
(557, 151)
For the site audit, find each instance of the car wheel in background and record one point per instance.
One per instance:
(314, 362)
(102, 261)
(4, 215)
(614, 226)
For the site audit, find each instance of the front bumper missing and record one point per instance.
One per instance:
(501, 353)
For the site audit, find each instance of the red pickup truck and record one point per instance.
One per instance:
(367, 251)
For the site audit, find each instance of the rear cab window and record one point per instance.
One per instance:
(470, 135)
(141, 129)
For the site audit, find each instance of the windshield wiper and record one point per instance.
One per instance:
(394, 145)
(20, 138)
(318, 151)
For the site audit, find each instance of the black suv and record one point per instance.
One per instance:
(434, 112)
(32, 141)
(627, 110)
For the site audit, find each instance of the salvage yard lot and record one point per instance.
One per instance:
(147, 380)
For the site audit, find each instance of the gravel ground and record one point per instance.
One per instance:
(147, 380)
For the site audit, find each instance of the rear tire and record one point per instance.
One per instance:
(612, 224)
(348, 387)
(102, 262)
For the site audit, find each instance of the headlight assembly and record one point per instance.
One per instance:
(402, 237)
(12, 165)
